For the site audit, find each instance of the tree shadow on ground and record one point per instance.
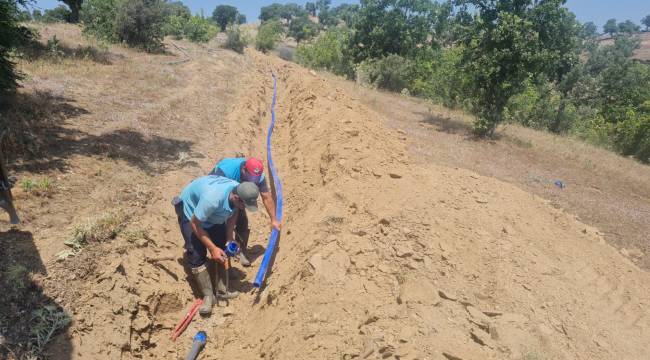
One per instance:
(39, 140)
(446, 124)
(54, 50)
(28, 318)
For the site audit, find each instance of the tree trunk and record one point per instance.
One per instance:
(75, 7)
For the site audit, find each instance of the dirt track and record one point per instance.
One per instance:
(380, 257)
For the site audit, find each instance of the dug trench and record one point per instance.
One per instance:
(379, 257)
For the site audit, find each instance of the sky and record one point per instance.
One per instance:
(597, 11)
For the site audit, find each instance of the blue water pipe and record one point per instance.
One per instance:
(275, 233)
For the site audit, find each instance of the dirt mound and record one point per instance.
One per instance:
(380, 257)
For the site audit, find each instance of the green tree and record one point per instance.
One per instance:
(139, 23)
(12, 35)
(610, 27)
(99, 19)
(75, 7)
(508, 42)
(177, 8)
(311, 8)
(589, 30)
(628, 27)
(302, 29)
(346, 13)
(271, 12)
(241, 19)
(24, 15)
(37, 15)
(268, 35)
(59, 14)
(225, 15)
(385, 27)
(646, 21)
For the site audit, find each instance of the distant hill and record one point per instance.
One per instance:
(643, 53)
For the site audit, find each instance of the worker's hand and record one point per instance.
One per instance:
(275, 224)
(217, 254)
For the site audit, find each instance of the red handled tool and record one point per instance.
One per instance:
(187, 319)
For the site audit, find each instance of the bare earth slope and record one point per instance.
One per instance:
(380, 256)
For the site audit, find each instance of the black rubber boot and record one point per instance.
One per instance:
(242, 238)
(222, 289)
(202, 276)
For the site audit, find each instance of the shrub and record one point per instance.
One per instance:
(328, 52)
(174, 26)
(236, 40)
(286, 53)
(632, 136)
(199, 29)
(268, 35)
(391, 72)
(536, 106)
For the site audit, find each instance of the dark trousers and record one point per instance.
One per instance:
(241, 229)
(196, 253)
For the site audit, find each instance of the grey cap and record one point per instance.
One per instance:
(248, 192)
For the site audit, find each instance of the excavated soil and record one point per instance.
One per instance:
(379, 257)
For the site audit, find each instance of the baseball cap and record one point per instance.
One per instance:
(254, 168)
(248, 192)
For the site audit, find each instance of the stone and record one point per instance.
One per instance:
(395, 175)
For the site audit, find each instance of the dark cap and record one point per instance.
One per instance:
(248, 192)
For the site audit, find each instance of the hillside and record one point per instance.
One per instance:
(402, 238)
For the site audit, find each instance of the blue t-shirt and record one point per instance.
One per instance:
(207, 199)
(231, 168)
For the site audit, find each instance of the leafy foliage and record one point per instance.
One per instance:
(199, 29)
(391, 72)
(303, 29)
(385, 27)
(629, 27)
(236, 40)
(60, 13)
(177, 8)
(610, 27)
(138, 23)
(328, 52)
(12, 35)
(268, 35)
(225, 15)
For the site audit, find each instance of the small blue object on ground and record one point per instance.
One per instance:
(559, 184)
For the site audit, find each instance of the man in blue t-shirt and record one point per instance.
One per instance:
(251, 169)
(207, 212)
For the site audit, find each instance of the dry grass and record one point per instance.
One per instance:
(98, 229)
(603, 189)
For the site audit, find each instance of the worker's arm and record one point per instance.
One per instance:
(216, 253)
(230, 226)
(269, 204)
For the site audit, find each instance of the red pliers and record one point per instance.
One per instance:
(187, 319)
